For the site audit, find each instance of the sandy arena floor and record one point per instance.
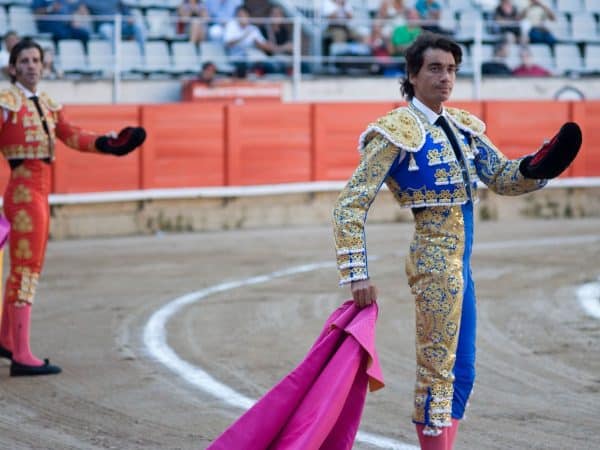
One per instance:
(538, 383)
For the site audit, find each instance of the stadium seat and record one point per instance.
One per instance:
(160, 24)
(20, 19)
(585, 28)
(3, 21)
(560, 28)
(592, 59)
(215, 52)
(568, 6)
(592, 6)
(157, 59)
(100, 57)
(542, 55)
(72, 57)
(131, 61)
(568, 59)
(185, 58)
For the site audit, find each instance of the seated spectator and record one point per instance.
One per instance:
(131, 27)
(430, 11)
(10, 39)
(240, 36)
(59, 27)
(390, 14)
(220, 12)
(192, 19)
(535, 16)
(403, 35)
(51, 71)
(497, 66)
(506, 19)
(528, 68)
(338, 14)
(277, 33)
(208, 74)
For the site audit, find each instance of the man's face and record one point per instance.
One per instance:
(434, 82)
(243, 18)
(28, 68)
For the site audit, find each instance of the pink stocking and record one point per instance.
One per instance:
(21, 318)
(5, 330)
(432, 442)
(452, 434)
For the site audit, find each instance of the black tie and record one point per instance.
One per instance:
(36, 101)
(442, 122)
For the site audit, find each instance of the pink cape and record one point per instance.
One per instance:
(4, 230)
(318, 405)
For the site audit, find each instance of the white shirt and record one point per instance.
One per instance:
(431, 115)
(250, 34)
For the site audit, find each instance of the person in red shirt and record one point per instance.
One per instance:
(528, 68)
(30, 123)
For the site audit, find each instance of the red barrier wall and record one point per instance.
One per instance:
(587, 163)
(195, 144)
(185, 145)
(84, 172)
(268, 143)
(336, 129)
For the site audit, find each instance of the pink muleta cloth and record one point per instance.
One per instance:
(4, 231)
(319, 404)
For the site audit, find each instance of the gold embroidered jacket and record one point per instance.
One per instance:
(416, 161)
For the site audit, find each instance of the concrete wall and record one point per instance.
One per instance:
(289, 209)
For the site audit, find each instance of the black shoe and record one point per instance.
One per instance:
(23, 370)
(4, 353)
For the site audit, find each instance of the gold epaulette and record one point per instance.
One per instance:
(466, 121)
(10, 99)
(400, 126)
(49, 102)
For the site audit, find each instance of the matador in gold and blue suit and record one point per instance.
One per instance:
(411, 150)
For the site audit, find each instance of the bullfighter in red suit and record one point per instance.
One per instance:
(30, 123)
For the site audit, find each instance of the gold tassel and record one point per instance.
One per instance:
(412, 164)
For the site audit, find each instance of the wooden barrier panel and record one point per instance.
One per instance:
(336, 129)
(185, 146)
(587, 163)
(84, 172)
(4, 174)
(268, 143)
(519, 128)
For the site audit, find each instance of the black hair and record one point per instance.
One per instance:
(414, 56)
(23, 44)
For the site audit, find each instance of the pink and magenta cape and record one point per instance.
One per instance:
(319, 404)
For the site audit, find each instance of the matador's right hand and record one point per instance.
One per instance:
(363, 292)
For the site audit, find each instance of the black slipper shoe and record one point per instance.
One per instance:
(23, 370)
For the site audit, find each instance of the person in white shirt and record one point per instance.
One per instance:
(245, 44)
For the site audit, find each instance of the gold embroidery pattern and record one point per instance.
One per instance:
(403, 127)
(23, 222)
(20, 151)
(500, 174)
(21, 194)
(350, 211)
(10, 99)
(434, 269)
(23, 250)
(29, 282)
(21, 172)
(467, 121)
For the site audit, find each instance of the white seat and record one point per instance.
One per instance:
(20, 18)
(185, 57)
(131, 57)
(560, 28)
(160, 23)
(215, 52)
(72, 57)
(568, 58)
(569, 6)
(592, 6)
(592, 58)
(3, 21)
(157, 58)
(101, 57)
(585, 28)
(542, 55)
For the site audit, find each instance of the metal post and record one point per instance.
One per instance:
(296, 57)
(477, 56)
(117, 51)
